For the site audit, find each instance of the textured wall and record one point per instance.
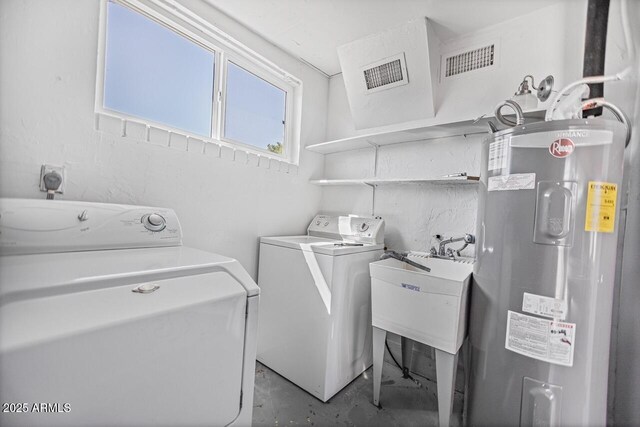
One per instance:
(413, 213)
(225, 201)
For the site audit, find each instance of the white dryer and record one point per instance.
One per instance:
(315, 307)
(106, 319)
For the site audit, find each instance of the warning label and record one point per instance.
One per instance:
(601, 207)
(541, 339)
(498, 154)
(517, 181)
(544, 306)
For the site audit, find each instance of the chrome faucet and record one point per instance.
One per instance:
(444, 252)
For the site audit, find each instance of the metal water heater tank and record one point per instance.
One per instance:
(542, 296)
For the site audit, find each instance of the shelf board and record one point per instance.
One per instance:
(395, 181)
(443, 130)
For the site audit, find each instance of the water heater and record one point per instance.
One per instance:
(543, 283)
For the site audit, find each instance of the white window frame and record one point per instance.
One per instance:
(269, 78)
(186, 23)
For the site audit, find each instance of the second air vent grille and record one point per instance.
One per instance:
(470, 60)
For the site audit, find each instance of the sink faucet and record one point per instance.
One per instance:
(444, 252)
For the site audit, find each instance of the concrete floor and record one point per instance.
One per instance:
(278, 402)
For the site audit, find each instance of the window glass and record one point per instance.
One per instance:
(254, 111)
(154, 73)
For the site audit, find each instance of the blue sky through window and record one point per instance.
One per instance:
(154, 73)
(255, 109)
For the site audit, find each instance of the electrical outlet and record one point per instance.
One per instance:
(45, 169)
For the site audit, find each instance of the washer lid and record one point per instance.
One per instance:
(320, 245)
(26, 276)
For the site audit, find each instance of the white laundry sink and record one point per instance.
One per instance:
(429, 307)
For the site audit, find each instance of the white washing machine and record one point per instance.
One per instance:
(315, 307)
(106, 319)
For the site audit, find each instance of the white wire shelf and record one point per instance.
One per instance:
(436, 131)
(395, 181)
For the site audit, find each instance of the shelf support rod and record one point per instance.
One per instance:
(373, 197)
(375, 158)
(375, 175)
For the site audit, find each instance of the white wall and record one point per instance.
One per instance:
(413, 213)
(48, 53)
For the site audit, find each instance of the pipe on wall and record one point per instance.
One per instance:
(595, 47)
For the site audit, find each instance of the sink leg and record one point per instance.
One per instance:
(379, 336)
(466, 354)
(407, 352)
(446, 364)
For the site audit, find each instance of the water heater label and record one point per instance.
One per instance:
(516, 181)
(544, 306)
(601, 207)
(542, 339)
(498, 154)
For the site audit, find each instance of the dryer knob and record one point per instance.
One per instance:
(153, 222)
(363, 227)
(155, 219)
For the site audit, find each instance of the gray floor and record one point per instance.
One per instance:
(278, 402)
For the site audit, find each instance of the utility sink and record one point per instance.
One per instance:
(428, 307)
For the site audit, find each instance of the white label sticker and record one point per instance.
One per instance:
(517, 181)
(544, 306)
(498, 155)
(540, 339)
(411, 287)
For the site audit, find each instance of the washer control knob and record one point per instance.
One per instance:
(318, 222)
(326, 223)
(363, 227)
(153, 222)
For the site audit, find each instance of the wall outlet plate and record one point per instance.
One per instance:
(45, 169)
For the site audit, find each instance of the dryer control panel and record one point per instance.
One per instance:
(48, 226)
(349, 228)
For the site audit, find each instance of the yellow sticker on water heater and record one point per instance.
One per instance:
(601, 207)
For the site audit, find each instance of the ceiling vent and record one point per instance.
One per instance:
(470, 60)
(386, 74)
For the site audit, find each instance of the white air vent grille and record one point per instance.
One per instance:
(470, 60)
(384, 74)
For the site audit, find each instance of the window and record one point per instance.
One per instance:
(254, 110)
(154, 73)
(170, 68)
